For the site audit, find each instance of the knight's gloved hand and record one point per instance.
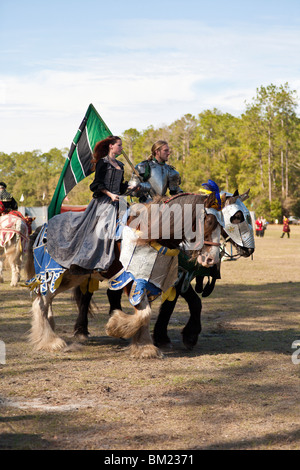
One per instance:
(131, 189)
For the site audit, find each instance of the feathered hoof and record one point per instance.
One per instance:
(148, 351)
(56, 344)
(121, 325)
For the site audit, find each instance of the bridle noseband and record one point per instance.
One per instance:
(211, 243)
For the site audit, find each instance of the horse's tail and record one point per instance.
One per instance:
(29, 263)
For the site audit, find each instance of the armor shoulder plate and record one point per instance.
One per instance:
(174, 180)
(143, 169)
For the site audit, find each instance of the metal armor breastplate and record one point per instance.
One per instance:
(158, 179)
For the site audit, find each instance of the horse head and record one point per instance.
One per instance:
(209, 255)
(238, 225)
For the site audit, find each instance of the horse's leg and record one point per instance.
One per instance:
(122, 325)
(192, 329)
(15, 273)
(83, 303)
(1, 270)
(160, 335)
(13, 257)
(50, 316)
(42, 335)
(114, 298)
(135, 326)
(142, 346)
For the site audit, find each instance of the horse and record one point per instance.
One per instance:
(235, 213)
(42, 335)
(14, 240)
(191, 331)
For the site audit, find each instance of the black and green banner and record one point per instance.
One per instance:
(78, 164)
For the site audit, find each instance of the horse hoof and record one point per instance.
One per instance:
(81, 337)
(188, 346)
(190, 341)
(56, 344)
(145, 352)
(166, 345)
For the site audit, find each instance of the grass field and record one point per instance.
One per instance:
(238, 389)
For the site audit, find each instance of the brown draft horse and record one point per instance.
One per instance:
(183, 287)
(136, 326)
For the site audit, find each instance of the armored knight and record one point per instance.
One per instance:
(157, 176)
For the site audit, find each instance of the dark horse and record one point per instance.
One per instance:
(192, 329)
(120, 324)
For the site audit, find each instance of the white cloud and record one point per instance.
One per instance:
(147, 73)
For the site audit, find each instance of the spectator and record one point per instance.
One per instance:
(7, 200)
(286, 227)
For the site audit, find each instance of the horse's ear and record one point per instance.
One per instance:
(231, 200)
(223, 199)
(236, 193)
(245, 196)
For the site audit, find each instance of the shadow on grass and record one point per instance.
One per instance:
(270, 439)
(268, 301)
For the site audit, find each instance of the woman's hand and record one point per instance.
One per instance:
(114, 197)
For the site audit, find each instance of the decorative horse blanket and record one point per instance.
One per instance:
(12, 224)
(46, 269)
(154, 269)
(156, 274)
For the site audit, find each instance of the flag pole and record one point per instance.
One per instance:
(131, 165)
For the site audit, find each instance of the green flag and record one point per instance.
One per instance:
(78, 164)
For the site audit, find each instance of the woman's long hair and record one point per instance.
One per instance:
(156, 146)
(101, 149)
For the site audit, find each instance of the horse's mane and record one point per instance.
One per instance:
(180, 199)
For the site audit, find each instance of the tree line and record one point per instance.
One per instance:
(258, 150)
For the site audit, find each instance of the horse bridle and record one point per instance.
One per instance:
(211, 243)
(206, 242)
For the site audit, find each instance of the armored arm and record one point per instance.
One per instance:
(174, 181)
(143, 187)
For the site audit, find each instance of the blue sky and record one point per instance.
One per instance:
(139, 63)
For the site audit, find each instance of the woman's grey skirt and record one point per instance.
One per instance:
(84, 239)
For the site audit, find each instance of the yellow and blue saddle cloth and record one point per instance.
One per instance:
(47, 271)
(48, 274)
(140, 287)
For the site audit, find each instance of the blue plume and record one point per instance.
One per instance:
(212, 186)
